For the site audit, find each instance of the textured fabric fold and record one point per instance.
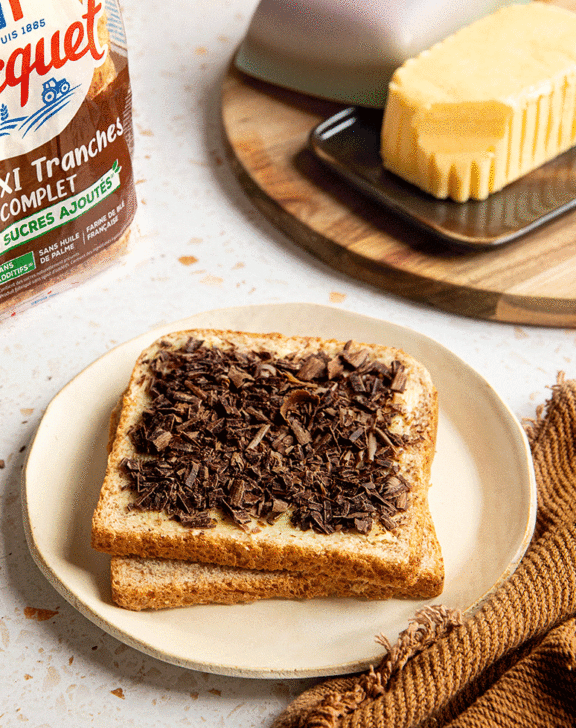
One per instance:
(513, 662)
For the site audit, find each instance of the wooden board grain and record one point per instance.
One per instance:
(531, 280)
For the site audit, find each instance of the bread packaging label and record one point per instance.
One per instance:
(66, 184)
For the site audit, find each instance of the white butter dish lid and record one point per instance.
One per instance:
(347, 50)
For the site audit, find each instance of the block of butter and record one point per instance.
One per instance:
(485, 106)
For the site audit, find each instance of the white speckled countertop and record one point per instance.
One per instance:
(201, 245)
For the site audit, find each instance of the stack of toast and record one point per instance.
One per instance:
(254, 466)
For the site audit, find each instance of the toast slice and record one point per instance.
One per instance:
(273, 453)
(139, 583)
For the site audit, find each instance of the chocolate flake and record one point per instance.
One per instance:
(238, 377)
(161, 438)
(255, 437)
(258, 438)
(312, 368)
(356, 359)
(399, 379)
(335, 368)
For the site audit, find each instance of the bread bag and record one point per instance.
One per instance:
(66, 185)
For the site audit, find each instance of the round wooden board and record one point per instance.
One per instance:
(531, 280)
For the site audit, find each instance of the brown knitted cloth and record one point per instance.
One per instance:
(512, 664)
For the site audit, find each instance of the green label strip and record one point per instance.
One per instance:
(16, 267)
(50, 218)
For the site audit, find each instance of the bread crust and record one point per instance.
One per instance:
(140, 583)
(389, 558)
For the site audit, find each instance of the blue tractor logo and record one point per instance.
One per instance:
(53, 90)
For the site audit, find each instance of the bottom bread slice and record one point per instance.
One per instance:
(141, 583)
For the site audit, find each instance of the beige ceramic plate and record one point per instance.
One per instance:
(483, 502)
